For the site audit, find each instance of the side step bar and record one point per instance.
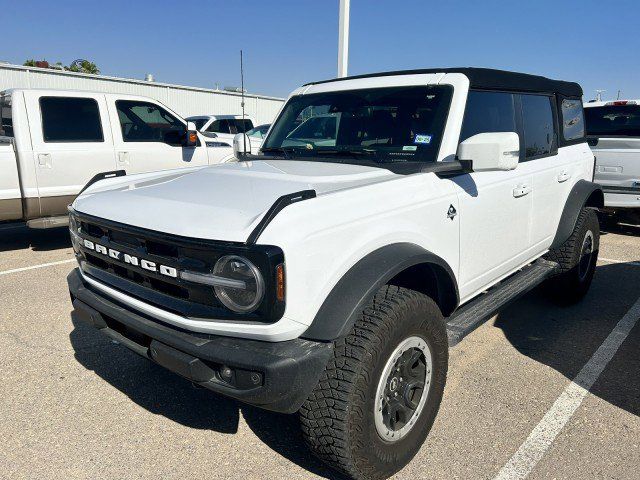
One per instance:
(473, 314)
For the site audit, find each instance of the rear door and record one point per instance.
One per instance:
(614, 136)
(550, 168)
(71, 143)
(148, 137)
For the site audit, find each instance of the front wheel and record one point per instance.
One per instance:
(379, 395)
(577, 258)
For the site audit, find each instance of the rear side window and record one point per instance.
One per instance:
(572, 119)
(68, 119)
(148, 122)
(613, 120)
(6, 120)
(488, 112)
(219, 126)
(538, 126)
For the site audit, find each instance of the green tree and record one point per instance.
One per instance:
(84, 66)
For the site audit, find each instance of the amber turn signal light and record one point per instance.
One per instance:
(280, 282)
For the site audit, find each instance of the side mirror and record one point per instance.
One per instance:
(241, 145)
(191, 139)
(491, 151)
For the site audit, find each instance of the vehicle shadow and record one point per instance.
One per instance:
(164, 393)
(19, 237)
(621, 229)
(565, 338)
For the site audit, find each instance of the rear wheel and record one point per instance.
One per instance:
(577, 258)
(378, 397)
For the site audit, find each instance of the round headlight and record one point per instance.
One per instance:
(241, 299)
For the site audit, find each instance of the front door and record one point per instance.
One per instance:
(495, 207)
(149, 138)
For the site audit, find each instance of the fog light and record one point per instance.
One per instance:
(226, 373)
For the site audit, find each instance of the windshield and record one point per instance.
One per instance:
(199, 122)
(614, 120)
(392, 124)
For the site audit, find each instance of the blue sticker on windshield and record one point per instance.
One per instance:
(422, 138)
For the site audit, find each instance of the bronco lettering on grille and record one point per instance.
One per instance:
(130, 259)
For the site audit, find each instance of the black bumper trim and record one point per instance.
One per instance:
(287, 371)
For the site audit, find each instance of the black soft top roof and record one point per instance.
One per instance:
(487, 78)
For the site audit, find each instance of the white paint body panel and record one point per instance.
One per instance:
(9, 180)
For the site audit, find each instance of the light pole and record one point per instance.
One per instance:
(343, 38)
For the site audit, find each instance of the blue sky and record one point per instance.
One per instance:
(289, 42)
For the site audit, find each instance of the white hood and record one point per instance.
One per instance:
(221, 202)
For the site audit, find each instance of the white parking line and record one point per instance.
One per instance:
(543, 435)
(611, 260)
(33, 267)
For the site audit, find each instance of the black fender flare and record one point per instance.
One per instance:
(583, 194)
(359, 284)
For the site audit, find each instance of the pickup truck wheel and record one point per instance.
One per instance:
(577, 258)
(379, 395)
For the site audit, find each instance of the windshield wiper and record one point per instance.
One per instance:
(354, 152)
(285, 152)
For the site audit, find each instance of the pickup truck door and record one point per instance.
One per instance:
(148, 137)
(72, 142)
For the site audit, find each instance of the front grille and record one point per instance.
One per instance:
(172, 294)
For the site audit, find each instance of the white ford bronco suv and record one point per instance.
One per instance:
(330, 274)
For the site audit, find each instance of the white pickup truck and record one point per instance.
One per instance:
(52, 142)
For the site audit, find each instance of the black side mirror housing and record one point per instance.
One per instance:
(191, 137)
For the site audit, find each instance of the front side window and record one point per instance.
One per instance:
(613, 121)
(572, 119)
(488, 112)
(6, 119)
(391, 124)
(538, 125)
(70, 119)
(148, 122)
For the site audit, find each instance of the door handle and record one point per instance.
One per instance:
(563, 176)
(521, 190)
(123, 158)
(44, 160)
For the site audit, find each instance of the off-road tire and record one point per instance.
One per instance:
(338, 417)
(572, 283)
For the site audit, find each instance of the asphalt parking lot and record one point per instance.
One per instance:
(519, 398)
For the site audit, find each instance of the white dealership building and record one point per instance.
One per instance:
(184, 100)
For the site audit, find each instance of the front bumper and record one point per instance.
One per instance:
(277, 376)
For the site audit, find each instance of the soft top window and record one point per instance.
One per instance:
(572, 119)
(613, 120)
(392, 124)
